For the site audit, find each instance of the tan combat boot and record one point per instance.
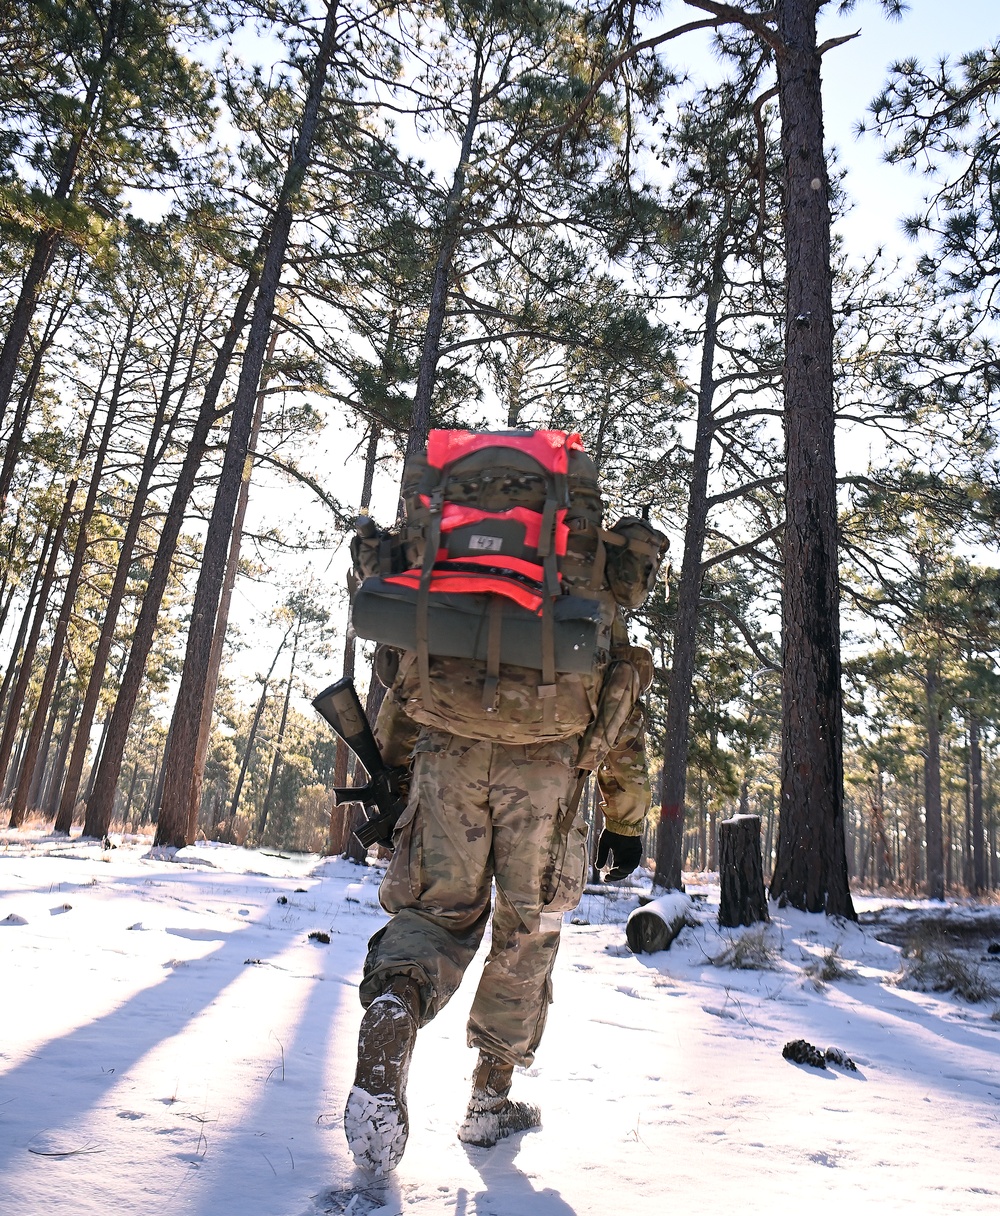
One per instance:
(375, 1121)
(491, 1114)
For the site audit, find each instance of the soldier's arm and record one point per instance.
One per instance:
(623, 779)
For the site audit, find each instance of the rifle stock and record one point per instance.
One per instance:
(340, 707)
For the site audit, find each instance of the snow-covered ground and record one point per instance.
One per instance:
(172, 1040)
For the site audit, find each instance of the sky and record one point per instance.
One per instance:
(173, 1042)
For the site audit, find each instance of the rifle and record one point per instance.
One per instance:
(340, 707)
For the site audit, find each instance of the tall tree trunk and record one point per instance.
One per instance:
(119, 585)
(225, 601)
(979, 876)
(252, 733)
(932, 784)
(50, 795)
(810, 871)
(101, 796)
(28, 655)
(27, 616)
(175, 809)
(280, 739)
(669, 835)
(73, 580)
(42, 759)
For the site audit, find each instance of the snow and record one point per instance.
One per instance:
(173, 1041)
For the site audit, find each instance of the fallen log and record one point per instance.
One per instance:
(655, 925)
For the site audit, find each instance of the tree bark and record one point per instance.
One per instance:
(811, 866)
(225, 602)
(670, 834)
(175, 808)
(742, 900)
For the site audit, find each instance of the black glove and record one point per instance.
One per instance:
(625, 851)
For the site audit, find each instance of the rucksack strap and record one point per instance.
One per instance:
(491, 685)
(423, 596)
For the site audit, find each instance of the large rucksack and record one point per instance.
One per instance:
(496, 591)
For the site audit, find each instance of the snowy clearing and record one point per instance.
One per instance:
(173, 1040)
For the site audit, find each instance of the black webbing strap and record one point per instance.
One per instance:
(491, 685)
(423, 596)
(385, 554)
(547, 689)
(600, 562)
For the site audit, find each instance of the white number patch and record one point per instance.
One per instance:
(486, 544)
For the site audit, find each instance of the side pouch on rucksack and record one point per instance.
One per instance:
(635, 553)
(376, 551)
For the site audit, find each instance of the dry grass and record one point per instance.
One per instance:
(750, 951)
(829, 968)
(932, 964)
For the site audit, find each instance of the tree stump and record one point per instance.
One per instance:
(655, 925)
(742, 900)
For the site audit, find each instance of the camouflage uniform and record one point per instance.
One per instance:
(482, 812)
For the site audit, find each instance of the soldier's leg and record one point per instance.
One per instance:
(539, 876)
(437, 887)
(437, 884)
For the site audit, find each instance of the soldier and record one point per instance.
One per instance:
(479, 813)
(499, 747)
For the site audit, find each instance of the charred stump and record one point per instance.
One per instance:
(742, 900)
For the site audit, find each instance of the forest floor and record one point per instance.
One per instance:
(177, 1036)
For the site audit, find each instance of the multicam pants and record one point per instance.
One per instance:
(478, 813)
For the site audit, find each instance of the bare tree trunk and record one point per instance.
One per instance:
(42, 760)
(811, 867)
(27, 616)
(73, 580)
(50, 795)
(669, 836)
(279, 741)
(742, 900)
(932, 786)
(252, 734)
(979, 875)
(225, 601)
(175, 808)
(116, 596)
(30, 646)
